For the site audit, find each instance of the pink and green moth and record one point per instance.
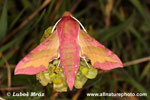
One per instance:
(69, 43)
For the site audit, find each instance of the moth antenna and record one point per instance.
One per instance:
(86, 62)
(55, 25)
(79, 23)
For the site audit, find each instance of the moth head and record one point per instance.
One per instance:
(66, 13)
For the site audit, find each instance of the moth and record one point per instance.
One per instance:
(70, 43)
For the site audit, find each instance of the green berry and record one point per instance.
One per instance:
(42, 79)
(92, 73)
(56, 62)
(84, 70)
(60, 87)
(80, 80)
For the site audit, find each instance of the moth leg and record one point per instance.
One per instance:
(57, 58)
(86, 62)
(58, 64)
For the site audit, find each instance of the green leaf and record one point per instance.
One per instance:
(140, 38)
(3, 21)
(39, 18)
(16, 19)
(129, 79)
(108, 34)
(134, 32)
(145, 72)
(16, 41)
(102, 7)
(142, 11)
(27, 4)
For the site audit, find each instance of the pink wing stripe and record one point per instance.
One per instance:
(108, 65)
(30, 70)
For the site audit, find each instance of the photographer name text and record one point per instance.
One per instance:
(39, 94)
